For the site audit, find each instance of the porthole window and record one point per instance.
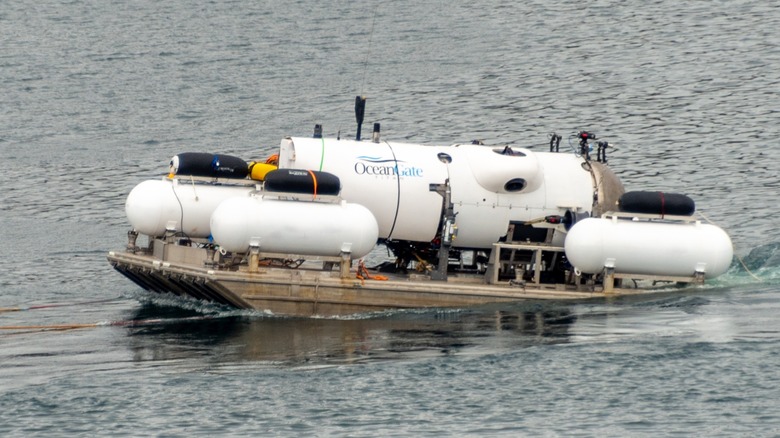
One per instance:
(515, 185)
(444, 158)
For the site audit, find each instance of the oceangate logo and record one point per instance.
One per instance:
(385, 167)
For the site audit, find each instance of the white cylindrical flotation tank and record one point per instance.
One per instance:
(156, 204)
(294, 227)
(648, 248)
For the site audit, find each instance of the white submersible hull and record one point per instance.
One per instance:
(463, 224)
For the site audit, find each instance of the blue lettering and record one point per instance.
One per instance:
(362, 168)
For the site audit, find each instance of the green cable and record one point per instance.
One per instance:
(322, 154)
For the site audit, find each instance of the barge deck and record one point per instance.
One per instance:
(332, 286)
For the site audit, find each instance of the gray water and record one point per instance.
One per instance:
(98, 95)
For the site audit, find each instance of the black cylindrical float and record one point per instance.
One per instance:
(209, 165)
(310, 182)
(656, 203)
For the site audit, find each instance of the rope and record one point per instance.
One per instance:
(746, 268)
(422, 265)
(49, 327)
(742, 262)
(181, 207)
(192, 181)
(125, 323)
(49, 306)
(362, 273)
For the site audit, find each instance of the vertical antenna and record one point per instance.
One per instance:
(360, 101)
(370, 40)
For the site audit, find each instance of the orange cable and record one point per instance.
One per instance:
(314, 179)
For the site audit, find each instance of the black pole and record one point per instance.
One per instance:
(555, 142)
(360, 111)
(602, 154)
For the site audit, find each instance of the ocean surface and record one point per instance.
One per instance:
(96, 96)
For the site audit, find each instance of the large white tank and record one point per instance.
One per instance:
(648, 248)
(294, 227)
(490, 186)
(155, 204)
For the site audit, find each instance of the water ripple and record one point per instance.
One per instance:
(101, 95)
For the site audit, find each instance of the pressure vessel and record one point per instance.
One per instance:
(186, 207)
(648, 247)
(402, 185)
(294, 227)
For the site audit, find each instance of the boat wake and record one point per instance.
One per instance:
(763, 257)
(761, 265)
